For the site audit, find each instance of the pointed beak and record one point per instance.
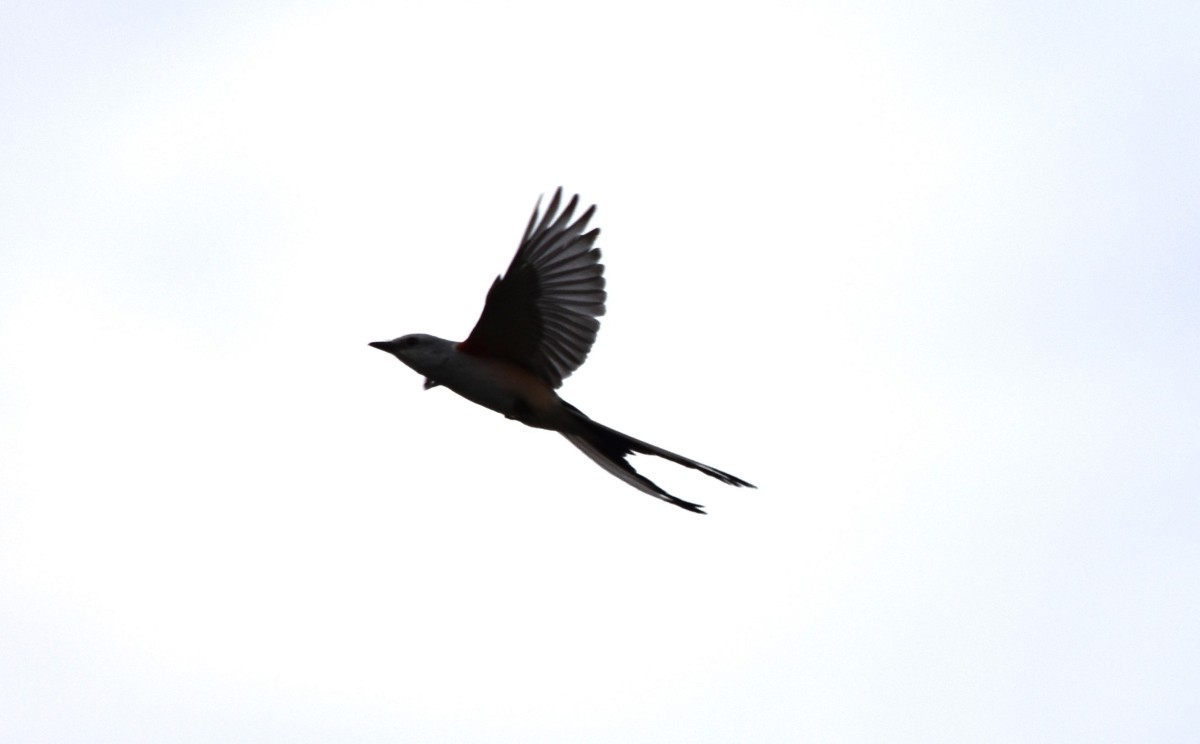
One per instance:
(387, 346)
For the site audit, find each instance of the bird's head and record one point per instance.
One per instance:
(420, 351)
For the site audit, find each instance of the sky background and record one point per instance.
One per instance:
(928, 274)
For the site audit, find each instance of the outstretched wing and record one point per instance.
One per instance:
(541, 314)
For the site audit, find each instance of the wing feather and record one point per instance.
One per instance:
(541, 314)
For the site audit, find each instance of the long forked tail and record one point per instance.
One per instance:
(609, 449)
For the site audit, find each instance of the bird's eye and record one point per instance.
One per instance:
(410, 341)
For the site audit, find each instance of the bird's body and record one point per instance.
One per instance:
(491, 382)
(537, 326)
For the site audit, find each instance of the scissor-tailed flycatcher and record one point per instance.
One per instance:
(537, 326)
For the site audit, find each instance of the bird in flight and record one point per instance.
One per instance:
(538, 324)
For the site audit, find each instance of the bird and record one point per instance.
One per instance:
(538, 324)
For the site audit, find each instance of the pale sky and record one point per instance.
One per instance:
(928, 274)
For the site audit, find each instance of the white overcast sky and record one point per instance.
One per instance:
(926, 273)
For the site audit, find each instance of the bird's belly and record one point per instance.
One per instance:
(505, 388)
